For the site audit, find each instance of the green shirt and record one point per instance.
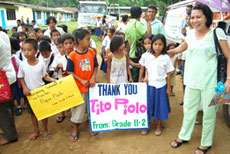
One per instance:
(156, 26)
(201, 61)
(131, 35)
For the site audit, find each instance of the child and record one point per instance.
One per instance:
(159, 70)
(47, 57)
(54, 35)
(83, 65)
(22, 37)
(18, 93)
(14, 29)
(32, 35)
(31, 74)
(118, 67)
(98, 31)
(173, 58)
(105, 48)
(147, 40)
(38, 32)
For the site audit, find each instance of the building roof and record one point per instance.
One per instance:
(71, 9)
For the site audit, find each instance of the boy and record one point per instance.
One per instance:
(83, 65)
(31, 74)
(54, 35)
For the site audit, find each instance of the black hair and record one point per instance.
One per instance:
(16, 28)
(119, 33)
(44, 46)
(33, 21)
(45, 38)
(152, 7)
(163, 39)
(14, 44)
(222, 25)
(22, 33)
(54, 31)
(33, 42)
(189, 6)
(2, 29)
(66, 37)
(51, 18)
(189, 14)
(148, 36)
(16, 35)
(32, 31)
(80, 34)
(25, 27)
(64, 27)
(171, 44)
(19, 20)
(125, 18)
(116, 42)
(112, 30)
(37, 29)
(206, 11)
(135, 12)
(59, 41)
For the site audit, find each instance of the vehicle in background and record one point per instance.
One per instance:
(89, 11)
(174, 21)
(114, 10)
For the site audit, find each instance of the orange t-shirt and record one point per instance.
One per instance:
(82, 64)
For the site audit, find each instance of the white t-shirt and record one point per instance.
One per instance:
(145, 58)
(106, 42)
(121, 27)
(20, 55)
(61, 31)
(56, 62)
(49, 67)
(5, 57)
(98, 24)
(54, 48)
(158, 69)
(64, 62)
(19, 28)
(32, 74)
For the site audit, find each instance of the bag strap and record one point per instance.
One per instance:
(217, 44)
(135, 30)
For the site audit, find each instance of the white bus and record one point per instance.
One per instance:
(89, 11)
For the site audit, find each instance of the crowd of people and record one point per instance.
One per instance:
(40, 57)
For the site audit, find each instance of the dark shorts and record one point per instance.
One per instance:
(29, 109)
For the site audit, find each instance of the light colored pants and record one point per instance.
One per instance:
(78, 112)
(192, 99)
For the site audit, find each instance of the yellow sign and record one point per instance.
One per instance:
(55, 97)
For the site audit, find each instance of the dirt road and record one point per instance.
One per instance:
(117, 142)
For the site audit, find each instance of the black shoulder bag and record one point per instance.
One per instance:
(221, 61)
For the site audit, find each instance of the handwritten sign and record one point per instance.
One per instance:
(55, 97)
(118, 106)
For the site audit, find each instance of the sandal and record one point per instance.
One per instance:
(47, 137)
(178, 143)
(73, 138)
(34, 136)
(60, 119)
(203, 150)
(93, 134)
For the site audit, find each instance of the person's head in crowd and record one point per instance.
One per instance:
(64, 27)
(117, 44)
(201, 17)
(158, 45)
(30, 27)
(24, 28)
(22, 36)
(38, 32)
(15, 46)
(44, 38)
(33, 22)
(18, 22)
(32, 35)
(136, 12)
(54, 35)
(125, 18)
(120, 33)
(51, 22)
(68, 42)
(222, 25)
(45, 49)
(171, 46)
(82, 38)
(59, 45)
(110, 32)
(147, 41)
(43, 31)
(3, 30)
(14, 29)
(98, 18)
(188, 8)
(30, 47)
(151, 12)
(188, 19)
(16, 35)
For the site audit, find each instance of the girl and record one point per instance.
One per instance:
(22, 37)
(147, 40)
(105, 48)
(32, 35)
(118, 67)
(159, 70)
(18, 93)
(173, 58)
(98, 28)
(38, 32)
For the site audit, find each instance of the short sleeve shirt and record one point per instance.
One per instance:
(145, 58)
(156, 26)
(201, 61)
(132, 35)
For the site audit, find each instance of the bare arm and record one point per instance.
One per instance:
(84, 82)
(128, 69)
(168, 83)
(49, 79)
(93, 78)
(226, 52)
(141, 73)
(109, 60)
(26, 91)
(179, 49)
